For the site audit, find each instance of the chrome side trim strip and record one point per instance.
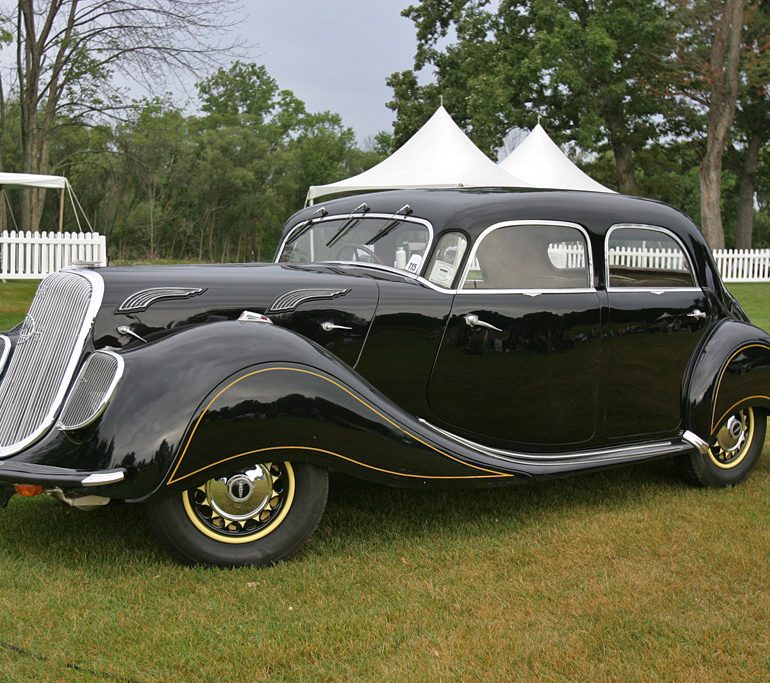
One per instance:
(692, 438)
(602, 455)
(97, 295)
(5, 352)
(102, 478)
(143, 299)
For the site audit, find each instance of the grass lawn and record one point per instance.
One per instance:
(624, 575)
(15, 297)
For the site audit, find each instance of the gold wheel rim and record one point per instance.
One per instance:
(215, 523)
(733, 440)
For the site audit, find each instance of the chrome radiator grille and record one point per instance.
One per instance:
(92, 390)
(46, 355)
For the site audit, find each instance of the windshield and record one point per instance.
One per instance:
(396, 242)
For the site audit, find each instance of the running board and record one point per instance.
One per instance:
(537, 464)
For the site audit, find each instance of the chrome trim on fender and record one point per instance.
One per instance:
(103, 478)
(97, 295)
(288, 301)
(693, 439)
(143, 299)
(251, 317)
(97, 412)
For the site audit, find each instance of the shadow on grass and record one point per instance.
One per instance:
(359, 516)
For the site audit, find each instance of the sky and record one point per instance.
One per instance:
(334, 54)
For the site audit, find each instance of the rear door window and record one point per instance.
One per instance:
(647, 258)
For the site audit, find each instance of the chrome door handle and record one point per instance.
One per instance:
(697, 314)
(330, 327)
(472, 320)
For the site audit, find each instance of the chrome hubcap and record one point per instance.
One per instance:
(243, 503)
(241, 496)
(733, 439)
(732, 435)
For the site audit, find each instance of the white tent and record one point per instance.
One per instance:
(543, 164)
(46, 182)
(49, 182)
(439, 155)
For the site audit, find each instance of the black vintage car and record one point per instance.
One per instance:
(413, 338)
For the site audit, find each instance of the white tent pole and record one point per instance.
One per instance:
(10, 209)
(61, 210)
(76, 205)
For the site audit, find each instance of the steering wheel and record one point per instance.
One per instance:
(354, 248)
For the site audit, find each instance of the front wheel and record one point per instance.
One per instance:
(259, 515)
(732, 454)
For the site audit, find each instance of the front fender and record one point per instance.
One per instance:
(732, 370)
(204, 400)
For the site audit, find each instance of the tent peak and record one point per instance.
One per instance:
(438, 155)
(540, 160)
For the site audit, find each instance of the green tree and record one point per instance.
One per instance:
(587, 67)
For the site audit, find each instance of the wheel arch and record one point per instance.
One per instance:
(730, 371)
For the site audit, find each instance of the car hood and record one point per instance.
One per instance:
(225, 292)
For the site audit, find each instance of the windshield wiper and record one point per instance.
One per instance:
(398, 217)
(349, 223)
(306, 226)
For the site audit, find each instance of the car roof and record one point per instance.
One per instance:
(474, 210)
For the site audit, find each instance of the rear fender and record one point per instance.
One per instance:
(732, 370)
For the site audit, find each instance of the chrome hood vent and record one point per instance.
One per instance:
(46, 356)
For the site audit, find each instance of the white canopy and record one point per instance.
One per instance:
(439, 155)
(543, 164)
(51, 182)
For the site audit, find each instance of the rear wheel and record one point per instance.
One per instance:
(732, 454)
(258, 515)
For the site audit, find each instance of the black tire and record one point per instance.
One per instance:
(206, 525)
(720, 467)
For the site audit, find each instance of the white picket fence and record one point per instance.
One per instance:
(33, 255)
(735, 265)
(743, 265)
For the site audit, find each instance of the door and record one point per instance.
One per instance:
(519, 361)
(658, 316)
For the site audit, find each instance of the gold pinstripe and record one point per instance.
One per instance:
(490, 474)
(715, 422)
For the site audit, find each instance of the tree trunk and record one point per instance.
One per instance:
(723, 77)
(745, 225)
(624, 155)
